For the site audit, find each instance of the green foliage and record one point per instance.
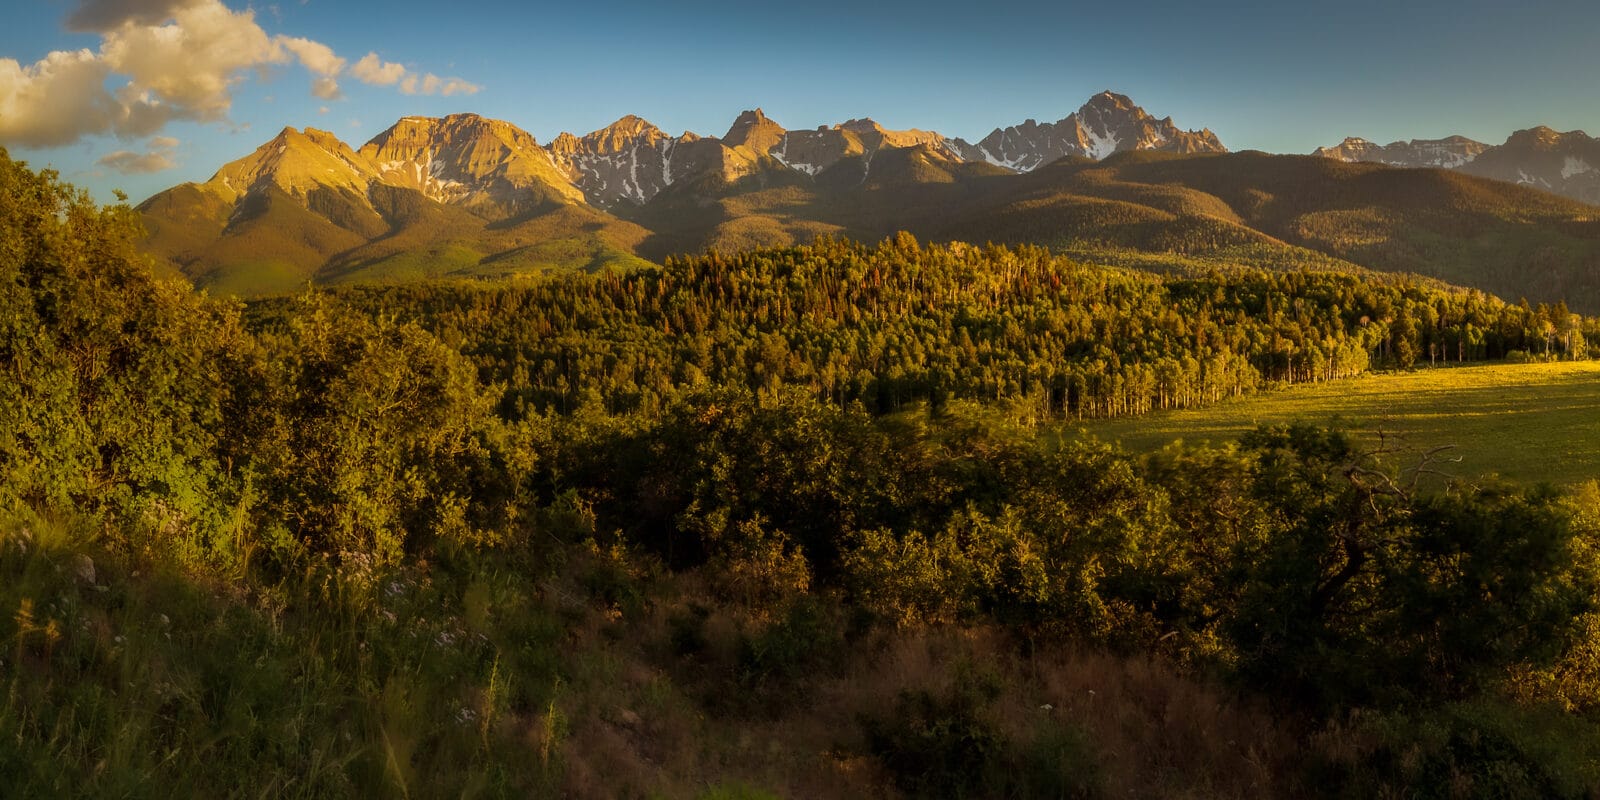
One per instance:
(735, 791)
(808, 638)
(1044, 336)
(120, 387)
(941, 744)
(379, 437)
(144, 683)
(1061, 762)
(814, 439)
(1360, 587)
(1483, 749)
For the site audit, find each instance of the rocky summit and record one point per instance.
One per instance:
(1109, 123)
(1562, 163)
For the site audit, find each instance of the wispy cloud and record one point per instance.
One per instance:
(156, 158)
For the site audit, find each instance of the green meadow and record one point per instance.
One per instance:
(1526, 422)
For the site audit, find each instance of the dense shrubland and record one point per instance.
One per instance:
(780, 522)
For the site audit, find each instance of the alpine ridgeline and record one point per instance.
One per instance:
(1564, 163)
(467, 197)
(1108, 123)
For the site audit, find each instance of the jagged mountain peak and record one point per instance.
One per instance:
(631, 122)
(861, 125)
(754, 130)
(622, 133)
(565, 143)
(470, 160)
(324, 139)
(296, 162)
(456, 128)
(1541, 157)
(1542, 136)
(1111, 101)
(1447, 153)
(751, 116)
(1108, 123)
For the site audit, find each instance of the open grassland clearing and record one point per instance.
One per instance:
(1526, 422)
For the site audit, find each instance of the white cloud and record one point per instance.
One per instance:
(433, 84)
(192, 63)
(164, 142)
(57, 100)
(316, 56)
(321, 61)
(169, 60)
(373, 70)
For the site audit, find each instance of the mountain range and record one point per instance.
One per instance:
(1564, 163)
(466, 196)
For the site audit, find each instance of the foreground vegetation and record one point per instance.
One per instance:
(309, 550)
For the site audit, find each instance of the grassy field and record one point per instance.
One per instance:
(1527, 422)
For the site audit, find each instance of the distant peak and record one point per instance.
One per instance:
(1110, 101)
(565, 143)
(753, 128)
(1540, 135)
(629, 124)
(862, 125)
(612, 138)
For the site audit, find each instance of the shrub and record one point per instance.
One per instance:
(941, 744)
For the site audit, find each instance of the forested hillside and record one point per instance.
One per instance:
(778, 523)
(884, 326)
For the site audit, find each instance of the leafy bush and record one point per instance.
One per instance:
(942, 744)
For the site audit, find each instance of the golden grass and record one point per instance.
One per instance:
(1525, 422)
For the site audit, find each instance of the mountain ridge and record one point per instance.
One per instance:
(1567, 163)
(467, 196)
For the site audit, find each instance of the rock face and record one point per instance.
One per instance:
(1108, 123)
(815, 151)
(296, 162)
(497, 170)
(1564, 163)
(753, 132)
(465, 159)
(1449, 153)
(631, 161)
(464, 194)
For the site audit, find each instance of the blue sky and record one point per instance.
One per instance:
(1275, 76)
